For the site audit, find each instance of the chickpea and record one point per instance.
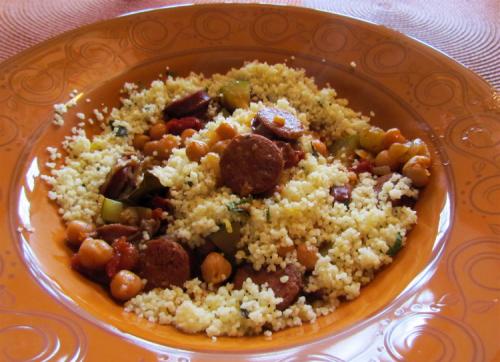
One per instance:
(226, 131)
(417, 147)
(215, 268)
(187, 133)
(284, 250)
(392, 135)
(320, 147)
(416, 170)
(213, 138)
(157, 131)
(384, 159)
(397, 153)
(161, 149)
(220, 146)
(125, 285)
(152, 147)
(168, 143)
(381, 170)
(365, 155)
(77, 232)
(195, 150)
(372, 139)
(307, 256)
(140, 140)
(94, 254)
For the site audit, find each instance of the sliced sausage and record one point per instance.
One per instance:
(189, 105)
(158, 202)
(289, 290)
(163, 263)
(111, 232)
(251, 164)
(291, 156)
(341, 193)
(120, 180)
(404, 201)
(281, 124)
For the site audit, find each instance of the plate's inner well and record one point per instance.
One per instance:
(50, 257)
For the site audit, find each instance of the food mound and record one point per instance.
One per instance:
(237, 204)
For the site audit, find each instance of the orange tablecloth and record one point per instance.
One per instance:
(468, 31)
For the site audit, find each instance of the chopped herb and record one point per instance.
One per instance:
(315, 154)
(189, 183)
(396, 247)
(234, 206)
(121, 131)
(244, 312)
(268, 215)
(171, 73)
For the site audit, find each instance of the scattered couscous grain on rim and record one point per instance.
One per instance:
(218, 249)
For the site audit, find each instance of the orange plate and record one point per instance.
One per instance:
(437, 301)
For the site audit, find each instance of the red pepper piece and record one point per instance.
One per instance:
(176, 126)
(362, 166)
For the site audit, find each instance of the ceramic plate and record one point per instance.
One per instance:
(437, 301)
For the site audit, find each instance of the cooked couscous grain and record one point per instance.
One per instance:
(352, 238)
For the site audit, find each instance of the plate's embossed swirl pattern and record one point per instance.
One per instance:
(330, 37)
(445, 336)
(8, 130)
(440, 310)
(42, 335)
(213, 25)
(150, 35)
(42, 84)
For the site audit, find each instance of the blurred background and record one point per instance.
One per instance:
(466, 30)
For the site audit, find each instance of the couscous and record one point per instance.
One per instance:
(237, 204)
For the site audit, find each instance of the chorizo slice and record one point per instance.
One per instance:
(288, 290)
(281, 124)
(164, 263)
(120, 180)
(111, 232)
(291, 156)
(192, 104)
(251, 164)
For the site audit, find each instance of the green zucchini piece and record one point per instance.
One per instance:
(236, 94)
(226, 241)
(111, 210)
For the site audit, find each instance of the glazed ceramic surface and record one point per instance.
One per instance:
(437, 301)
